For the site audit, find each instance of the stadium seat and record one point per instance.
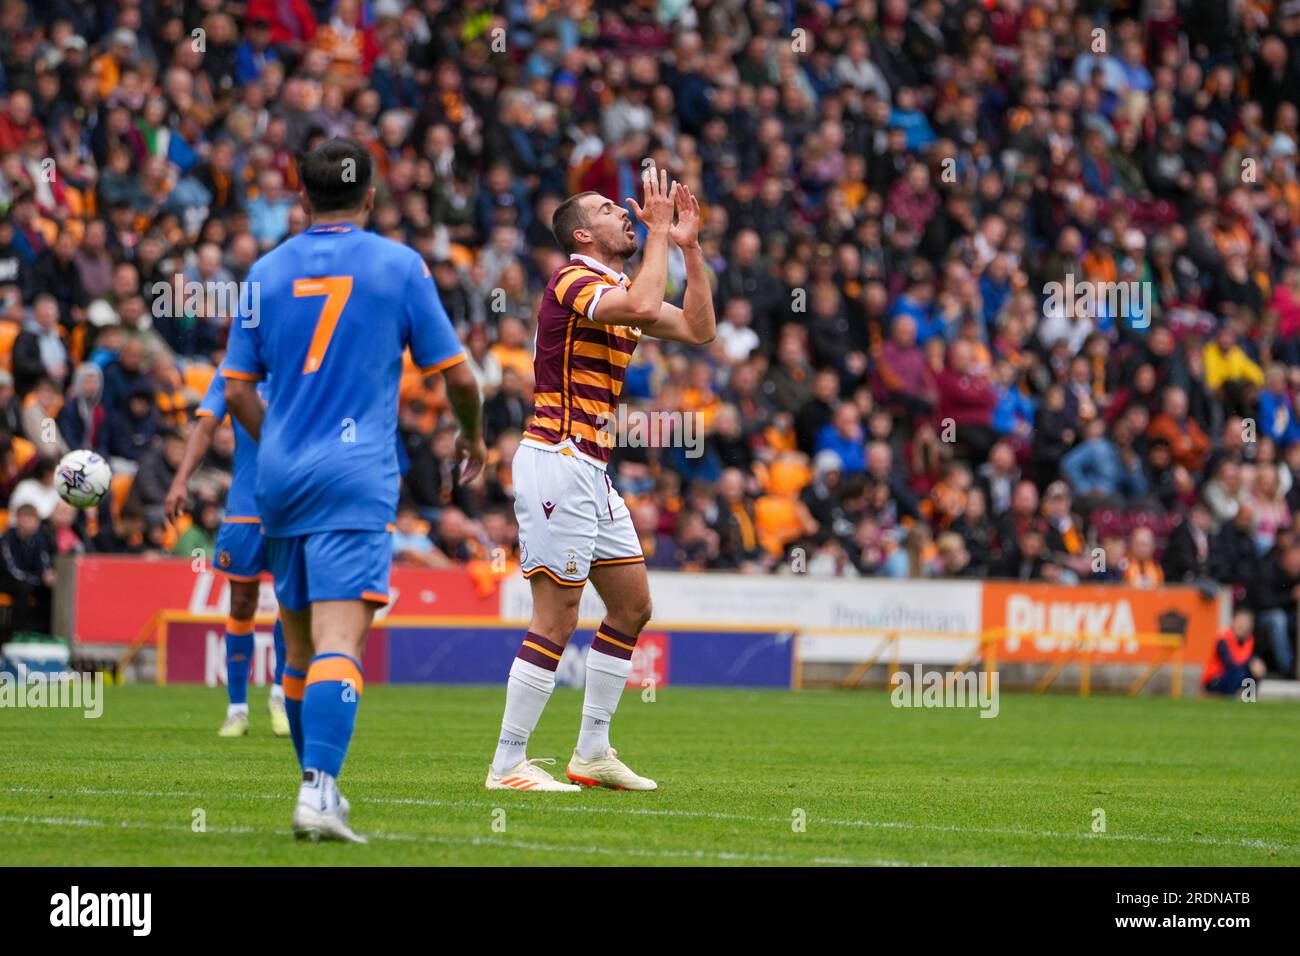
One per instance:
(1108, 522)
(24, 451)
(198, 376)
(8, 332)
(121, 489)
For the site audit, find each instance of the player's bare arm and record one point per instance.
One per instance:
(694, 323)
(195, 448)
(640, 304)
(467, 405)
(244, 406)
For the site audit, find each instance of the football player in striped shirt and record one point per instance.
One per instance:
(573, 524)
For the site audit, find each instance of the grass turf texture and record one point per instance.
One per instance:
(1181, 782)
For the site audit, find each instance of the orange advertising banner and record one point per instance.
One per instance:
(1040, 621)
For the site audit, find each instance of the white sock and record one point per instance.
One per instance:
(277, 692)
(606, 677)
(233, 709)
(527, 691)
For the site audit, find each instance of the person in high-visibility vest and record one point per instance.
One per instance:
(1233, 660)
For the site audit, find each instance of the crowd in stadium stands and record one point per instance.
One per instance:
(892, 190)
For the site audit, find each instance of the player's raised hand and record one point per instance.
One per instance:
(471, 455)
(686, 232)
(659, 197)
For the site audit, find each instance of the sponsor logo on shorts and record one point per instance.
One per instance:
(548, 507)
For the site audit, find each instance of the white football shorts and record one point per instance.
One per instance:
(571, 518)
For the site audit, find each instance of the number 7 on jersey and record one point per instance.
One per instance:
(337, 290)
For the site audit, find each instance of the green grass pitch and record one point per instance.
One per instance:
(1180, 782)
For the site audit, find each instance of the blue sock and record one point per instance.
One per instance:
(279, 654)
(329, 711)
(239, 655)
(294, 686)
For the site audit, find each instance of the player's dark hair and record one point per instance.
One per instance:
(568, 216)
(336, 175)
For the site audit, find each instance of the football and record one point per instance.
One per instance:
(83, 478)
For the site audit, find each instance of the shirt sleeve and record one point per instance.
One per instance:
(429, 333)
(580, 290)
(214, 401)
(244, 360)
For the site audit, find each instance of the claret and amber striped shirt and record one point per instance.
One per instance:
(579, 363)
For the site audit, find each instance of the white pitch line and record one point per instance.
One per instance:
(701, 855)
(1246, 843)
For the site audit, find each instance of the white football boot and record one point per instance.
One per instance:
(322, 813)
(606, 771)
(279, 717)
(235, 725)
(527, 775)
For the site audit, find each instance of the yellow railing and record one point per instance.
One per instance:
(1080, 646)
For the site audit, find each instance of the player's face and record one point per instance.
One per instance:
(610, 227)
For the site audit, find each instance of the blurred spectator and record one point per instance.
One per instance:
(1141, 569)
(1093, 468)
(508, 409)
(124, 373)
(1188, 443)
(27, 570)
(82, 420)
(454, 538)
(67, 531)
(954, 559)
(1233, 662)
(11, 422)
(1065, 539)
(1187, 557)
(1273, 596)
(131, 433)
(58, 275)
(411, 543)
(38, 419)
(200, 538)
(38, 351)
(37, 490)
(844, 436)
(1234, 558)
(157, 468)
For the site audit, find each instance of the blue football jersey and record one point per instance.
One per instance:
(337, 307)
(240, 500)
